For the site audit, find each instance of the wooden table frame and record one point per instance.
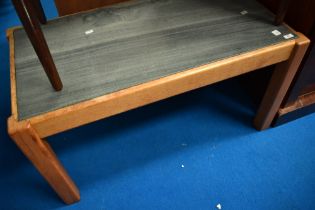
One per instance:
(32, 15)
(29, 134)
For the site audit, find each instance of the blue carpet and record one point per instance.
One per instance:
(193, 151)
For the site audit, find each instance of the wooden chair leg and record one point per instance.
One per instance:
(279, 84)
(39, 11)
(44, 159)
(282, 11)
(29, 19)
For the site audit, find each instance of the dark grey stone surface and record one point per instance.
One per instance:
(133, 43)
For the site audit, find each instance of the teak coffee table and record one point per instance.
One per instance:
(118, 58)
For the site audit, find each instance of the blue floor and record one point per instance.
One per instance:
(193, 151)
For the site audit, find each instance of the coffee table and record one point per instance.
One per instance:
(125, 56)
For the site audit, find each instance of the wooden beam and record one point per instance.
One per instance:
(302, 101)
(304, 105)
(140, 95)
(279, 84)
(44, 159)
(14, 109)
(39, 11)
(30, 21)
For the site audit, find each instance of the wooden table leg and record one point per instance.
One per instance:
(44, 159)
(279, 84)
(29, 19)
(282, 11)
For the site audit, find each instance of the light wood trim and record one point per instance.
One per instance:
(44, 159)
(302, 102)
(137, 96)
(14, 109)
(279, 84)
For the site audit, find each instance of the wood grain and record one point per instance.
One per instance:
(14, 109)
(302, 101)
(304, 105)
(240, 59)
(279, 84)
(44, 159)
(133, 43)
(130, 98)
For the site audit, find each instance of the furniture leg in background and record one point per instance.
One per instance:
(38, 8)
(282, 11)
(31, 14)
(279, 85)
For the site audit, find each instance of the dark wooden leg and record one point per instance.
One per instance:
(282, 11)
(39, 11)
(44, 159)
(30, 21)
(279, 84)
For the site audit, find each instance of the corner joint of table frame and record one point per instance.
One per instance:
(15, 127)
(10, 31)
(302, 40)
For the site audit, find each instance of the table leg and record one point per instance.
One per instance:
(44, 159)
(279, 84)
(29, 19)
(282, 11)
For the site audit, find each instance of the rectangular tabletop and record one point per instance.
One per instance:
(118, 47)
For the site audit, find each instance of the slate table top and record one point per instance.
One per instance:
(131, 43)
